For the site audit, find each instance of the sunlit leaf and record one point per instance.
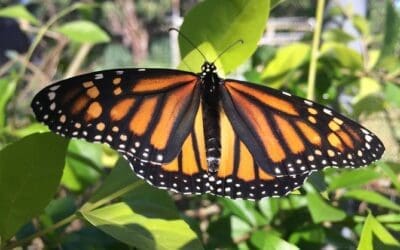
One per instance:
(286, 59)
(372, 197)
(345, 56)
(7, 89)
(84, 32)
(373, 230)
(392, 93)
(321, 211)
(123, 223)
(348, 179)
(269, 241)
(368, 86)
(361, 24)
(18, 12)
(213, 26)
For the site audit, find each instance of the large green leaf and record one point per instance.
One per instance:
(321, 211)
(30, 171)
(213, 26)
(121, 221)
(147, 218)
(18, 12)
(374, 231)
(84, 32)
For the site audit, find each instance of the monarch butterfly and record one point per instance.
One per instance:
(199, 133)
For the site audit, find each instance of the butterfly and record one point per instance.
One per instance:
(199, 133)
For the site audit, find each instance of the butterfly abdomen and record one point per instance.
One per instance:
(211, 118)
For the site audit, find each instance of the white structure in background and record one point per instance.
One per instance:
(285, 30)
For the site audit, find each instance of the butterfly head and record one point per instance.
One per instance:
(208, 68)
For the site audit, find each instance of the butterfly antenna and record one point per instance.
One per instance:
(188, 40)
(228, 48)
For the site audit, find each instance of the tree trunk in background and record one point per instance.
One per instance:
(131, 29)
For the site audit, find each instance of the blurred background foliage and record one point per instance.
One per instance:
(83, 196)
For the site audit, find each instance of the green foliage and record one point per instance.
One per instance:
(18, 12)
(84, 32)
(226, 22)
(45, 185)
(23, 193)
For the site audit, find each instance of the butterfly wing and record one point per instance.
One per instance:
(148, 113)
(187, 173)
(288, 135)
(238, 175)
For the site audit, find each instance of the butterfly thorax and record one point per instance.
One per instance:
(211, 110)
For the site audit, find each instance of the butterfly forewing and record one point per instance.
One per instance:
(148, 113)
(288, 135)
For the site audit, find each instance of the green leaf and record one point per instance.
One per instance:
(266, 240)
(28, 130)
(321, 211)
(269, 208)
(213, 26)
(391, 33)
(18, 12)
(372, 197)
(83, 164)
(368, 86)
(28, 183)
(337, 35)
(286, 59)
(392, 93)
(391, 174)
(241, 208)
(7, 89)
(361, 24)
(388, 218)
(121, 221)
(239, 228)
(373, 57)
(345, 56)
(119, 178)
(355, 178)
(373, 230)
(84, 32)
(140, 197)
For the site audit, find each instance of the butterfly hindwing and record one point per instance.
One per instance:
(288, 135)
(238, 175)
(148, 113)
(187, 173)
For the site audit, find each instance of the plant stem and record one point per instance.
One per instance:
(315, 50)
(85, 208)
(42, 31)
(61, 223)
